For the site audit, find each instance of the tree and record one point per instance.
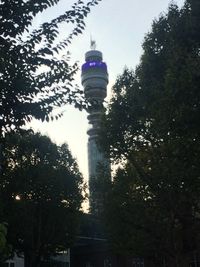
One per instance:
(5, 249)
(152, 128)
(34, 78)
(42, 192)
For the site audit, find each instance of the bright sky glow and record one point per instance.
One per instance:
(118, 27)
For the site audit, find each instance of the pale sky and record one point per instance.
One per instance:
(118, 27)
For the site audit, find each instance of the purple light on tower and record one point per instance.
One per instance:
(94, 64)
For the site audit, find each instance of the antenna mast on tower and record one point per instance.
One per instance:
(92, 44)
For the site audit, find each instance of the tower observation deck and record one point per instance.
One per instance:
(94, 80)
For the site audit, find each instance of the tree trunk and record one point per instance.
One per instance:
(29, 259)
(32, 260)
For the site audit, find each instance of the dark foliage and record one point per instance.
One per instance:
(34, 79)
(41, 189)
(152, 128)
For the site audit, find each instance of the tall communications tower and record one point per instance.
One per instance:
(94, 80)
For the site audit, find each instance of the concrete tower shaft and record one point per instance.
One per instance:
(94, 80)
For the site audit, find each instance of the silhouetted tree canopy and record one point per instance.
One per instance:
(152, 128)
(34, 78)
(41, 190)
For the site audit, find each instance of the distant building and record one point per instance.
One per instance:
(15, 262)
(61, 260)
